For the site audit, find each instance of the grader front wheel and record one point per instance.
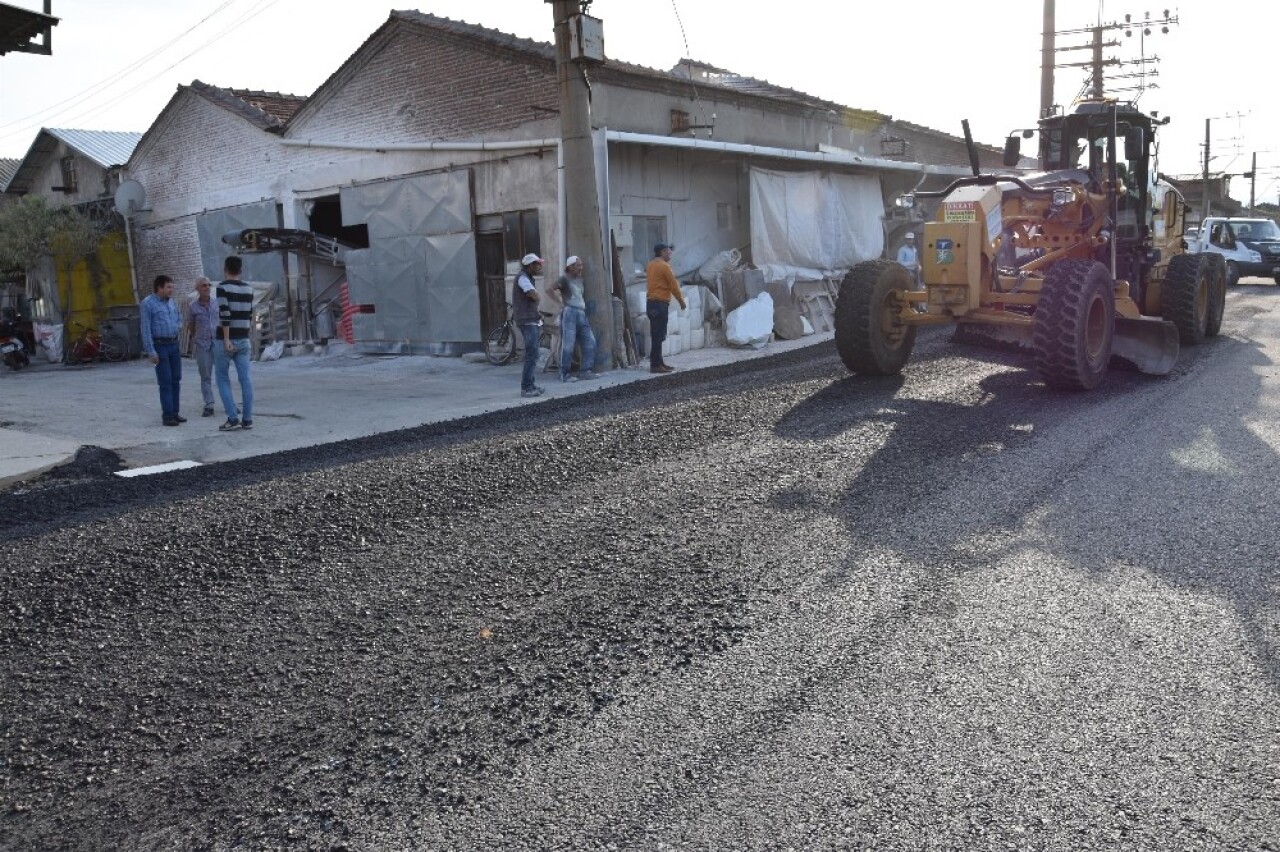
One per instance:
(1075, 324)
(871, 337)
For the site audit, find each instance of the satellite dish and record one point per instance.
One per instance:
(130, 196)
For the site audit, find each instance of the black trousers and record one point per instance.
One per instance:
(657, 311)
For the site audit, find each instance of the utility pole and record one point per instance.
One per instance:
(1205, 215)
(1046, 60)
(583, 233)
(1253, 181)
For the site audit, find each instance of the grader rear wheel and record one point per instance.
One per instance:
(871, 337)
(1233, 273)
(1075, 324)
(1187, 294)
(1217, 295)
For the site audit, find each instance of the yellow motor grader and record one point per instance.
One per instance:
(1082, 262)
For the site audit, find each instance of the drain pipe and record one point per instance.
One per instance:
(517, 145)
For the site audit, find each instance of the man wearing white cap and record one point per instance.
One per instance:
(524, 313)
(574, 327)
(907, 256)
(910, 260)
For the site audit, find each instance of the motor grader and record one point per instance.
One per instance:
(1082, 262)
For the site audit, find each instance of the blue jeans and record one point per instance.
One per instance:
(169, 377)
(204, 362)
(573, 328)
(657, 311)
(531, 331)
(222, 361)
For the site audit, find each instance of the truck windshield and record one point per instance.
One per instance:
(1256, 229)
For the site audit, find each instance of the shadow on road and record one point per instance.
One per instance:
(952, 472)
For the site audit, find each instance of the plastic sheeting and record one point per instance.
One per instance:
(814, 224)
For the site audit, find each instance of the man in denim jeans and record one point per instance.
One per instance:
(161, 323)
(574, 327)
(235, 318)
(524, 310)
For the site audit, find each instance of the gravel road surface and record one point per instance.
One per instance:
(765, 606)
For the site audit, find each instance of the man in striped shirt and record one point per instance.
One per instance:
(235, 320)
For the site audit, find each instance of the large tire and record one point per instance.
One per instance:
(500, 345)
(1233, 273)
(870, 336)
(1217, 295)
(1075, 322)
(1186, 296)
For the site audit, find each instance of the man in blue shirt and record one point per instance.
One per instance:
(161, 323)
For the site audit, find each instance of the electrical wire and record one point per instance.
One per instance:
(236, 24)
(688, 56)
(24, 124)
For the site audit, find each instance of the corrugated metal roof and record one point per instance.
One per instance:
(105, 147)
(7, 167)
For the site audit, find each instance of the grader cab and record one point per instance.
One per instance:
(1082, 262)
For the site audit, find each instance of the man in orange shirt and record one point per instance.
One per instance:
(663, 287)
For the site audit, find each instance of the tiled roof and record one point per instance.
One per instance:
(544, 50)
(7, 167)
(266, 110)
(104, 147)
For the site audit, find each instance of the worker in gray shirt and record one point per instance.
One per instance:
(574, 327)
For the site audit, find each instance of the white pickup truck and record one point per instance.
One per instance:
(1249, 246)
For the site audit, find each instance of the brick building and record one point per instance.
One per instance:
(431, 153)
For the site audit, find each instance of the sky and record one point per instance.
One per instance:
(930, 62)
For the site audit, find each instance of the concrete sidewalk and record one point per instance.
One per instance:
(49, 411)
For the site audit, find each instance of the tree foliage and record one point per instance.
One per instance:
(30, 229)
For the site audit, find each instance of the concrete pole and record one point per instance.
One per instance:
(581, 215)
(1205, 215)
(1253, 181)
(1099, 90)
(1047, 60)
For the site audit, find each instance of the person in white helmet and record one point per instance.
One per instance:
(907, 256)
(909, 259)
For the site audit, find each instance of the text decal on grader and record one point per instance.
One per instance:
(959, 211)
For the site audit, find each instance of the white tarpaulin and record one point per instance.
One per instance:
(815, 223)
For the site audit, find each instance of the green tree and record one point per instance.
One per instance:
(30, 229)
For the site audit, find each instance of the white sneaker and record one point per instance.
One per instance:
(568, 379)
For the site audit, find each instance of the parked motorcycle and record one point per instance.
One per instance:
(12, 349)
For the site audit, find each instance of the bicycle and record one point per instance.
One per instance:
(92, 346)
(506, 342)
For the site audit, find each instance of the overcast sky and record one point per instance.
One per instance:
(116, 64)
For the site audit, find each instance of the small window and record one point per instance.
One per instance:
(724, 216)
(68, 174)
(520, 234)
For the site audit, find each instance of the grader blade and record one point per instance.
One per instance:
(1147, 345)
(1008, 337)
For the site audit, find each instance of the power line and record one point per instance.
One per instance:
(23, 125)
(236, 24)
